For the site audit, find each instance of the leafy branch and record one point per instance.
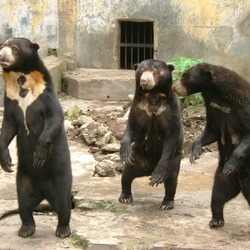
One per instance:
(182, 64)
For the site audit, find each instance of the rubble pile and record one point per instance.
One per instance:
(102, 131)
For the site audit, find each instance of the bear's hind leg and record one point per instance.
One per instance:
(60, 201)
(225, 188)
(129, 174)
(27, 201)
(26, 208)
(63, 228)
(63, 210)
(170, 189)
(170, 184)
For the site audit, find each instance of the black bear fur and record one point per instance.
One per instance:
(227, 101)
(32, 114)
(153, 139)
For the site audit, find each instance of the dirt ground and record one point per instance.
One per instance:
(107, 224)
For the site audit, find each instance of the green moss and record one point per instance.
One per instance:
(106, 205)
(74, 113)
(79, 241)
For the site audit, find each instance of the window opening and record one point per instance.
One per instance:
(136, 44)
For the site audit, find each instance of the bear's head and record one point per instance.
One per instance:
(153, 74)
(17, 54)
(196, 79)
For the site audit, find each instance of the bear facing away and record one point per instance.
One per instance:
(33, 114)
(227, 102)
(153, 139)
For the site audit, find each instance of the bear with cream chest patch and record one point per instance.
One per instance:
(32, 114)
(153, 139)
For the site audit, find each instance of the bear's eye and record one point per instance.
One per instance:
(14, 49)
(185, 77)
(155, 72)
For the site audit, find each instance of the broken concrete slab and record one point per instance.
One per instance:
(99, 84)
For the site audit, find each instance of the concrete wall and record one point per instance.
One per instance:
(88, 30)
(36, 20)
(218, 30)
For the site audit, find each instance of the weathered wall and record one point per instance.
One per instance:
(88, 30)
(217, 30)
(36, 20)
(98, 28)
(67, 15)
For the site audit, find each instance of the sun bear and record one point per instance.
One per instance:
(227, 102)
(32, 114)
(153, 139)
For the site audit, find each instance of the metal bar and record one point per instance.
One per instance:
(144, 40)
(125, 50)
(138, 41)
(132, 36)
(139, 45)
(152, 40)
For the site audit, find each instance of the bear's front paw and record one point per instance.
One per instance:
(63, 232)
(6, 161)
(195, 154)
(41, 153)
(230, 167)
(216, 222)
(167, 204)
(193, 157)
(126, 198)
(26, 230)
(127, 155)
(156, 178)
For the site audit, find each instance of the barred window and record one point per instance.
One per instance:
(136, 44)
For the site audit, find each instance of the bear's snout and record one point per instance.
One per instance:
(2, 54)
(147, 80)
(6, 57)
(179, 89)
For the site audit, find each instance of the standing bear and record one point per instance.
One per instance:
(227, 102)
(33, 114)
(153, 139)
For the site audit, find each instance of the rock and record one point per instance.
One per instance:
(68, 126)
(93, 132)
(104, 140)
(95, 150)
(111, 147)
(83, 119)
(186, 122)
(107, 244)
(131, 97)
(119, 166)
(195, 111)
(105, 168)
(84, 206)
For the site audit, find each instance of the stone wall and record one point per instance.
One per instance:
(88, 30)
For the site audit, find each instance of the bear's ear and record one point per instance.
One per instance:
(135, 66)
(209, 74)
(35, 46)
(170, 67)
